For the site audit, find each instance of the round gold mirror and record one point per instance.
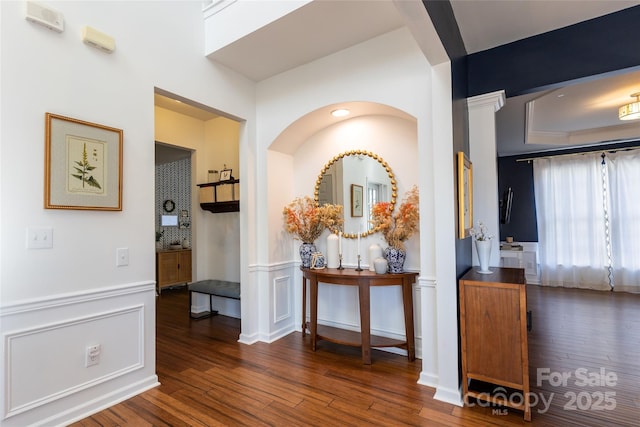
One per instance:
(357, 180)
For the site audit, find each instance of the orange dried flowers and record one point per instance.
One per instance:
(306, 220)
(398, 227)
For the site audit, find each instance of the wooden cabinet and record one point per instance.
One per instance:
(173, 267)
(493, 331)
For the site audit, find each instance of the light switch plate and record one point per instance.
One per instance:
(39, 238)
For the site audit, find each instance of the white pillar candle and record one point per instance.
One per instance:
(340, 243)
(358, 241)
(332, 251)
(375, 251)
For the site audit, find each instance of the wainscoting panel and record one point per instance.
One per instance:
(44, 346)
(62, 367)
(282, 298)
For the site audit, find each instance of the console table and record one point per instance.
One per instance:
(364, 280)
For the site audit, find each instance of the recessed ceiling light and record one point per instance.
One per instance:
(340, 112)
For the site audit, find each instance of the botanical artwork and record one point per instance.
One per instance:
(86, 159)
(83, 165)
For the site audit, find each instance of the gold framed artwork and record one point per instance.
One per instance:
(356, 200)
(465, 195)
(83, 165)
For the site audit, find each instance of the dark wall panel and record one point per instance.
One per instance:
(601, 45)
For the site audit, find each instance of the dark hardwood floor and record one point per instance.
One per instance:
(209, 379)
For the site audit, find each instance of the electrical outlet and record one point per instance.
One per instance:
(92, 355)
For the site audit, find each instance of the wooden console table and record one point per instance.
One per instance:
(363, 280)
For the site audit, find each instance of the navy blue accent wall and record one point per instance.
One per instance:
(444, 21)
(601, 45)
(519, 176)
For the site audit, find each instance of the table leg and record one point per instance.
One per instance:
(304, 306)
(407, 299)
(365, 321)
(313, 320)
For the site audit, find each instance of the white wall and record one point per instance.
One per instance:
(76, 283)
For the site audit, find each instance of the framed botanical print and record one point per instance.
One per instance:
(465, 195)
(83, 165)
(356, 200)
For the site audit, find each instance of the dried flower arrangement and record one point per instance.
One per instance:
(306, 220)
(398, 227)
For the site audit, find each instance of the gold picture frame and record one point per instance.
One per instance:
(465, 195)
(357, 200)
(83, 165)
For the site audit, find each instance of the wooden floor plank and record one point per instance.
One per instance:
(209, 379)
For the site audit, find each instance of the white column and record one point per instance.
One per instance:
(483, 155)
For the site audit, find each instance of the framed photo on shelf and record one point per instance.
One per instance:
(465, 195)
(83, 165)
(356, 200)
(225, 175)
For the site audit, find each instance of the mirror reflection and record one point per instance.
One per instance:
(356, 180)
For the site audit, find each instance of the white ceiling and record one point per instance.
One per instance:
(323, 27)
(485, 24)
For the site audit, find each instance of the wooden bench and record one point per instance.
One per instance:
(218, 288)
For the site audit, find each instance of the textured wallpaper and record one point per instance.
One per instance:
(173, 181)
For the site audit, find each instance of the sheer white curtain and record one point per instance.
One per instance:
(624, 195)
(571, 221)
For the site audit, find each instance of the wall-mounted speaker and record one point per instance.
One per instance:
(99, 40)
(39, 14)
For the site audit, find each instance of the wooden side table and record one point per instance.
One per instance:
(493, 335)
(364, 280)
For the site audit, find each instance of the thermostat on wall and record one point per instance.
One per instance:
(50, 18)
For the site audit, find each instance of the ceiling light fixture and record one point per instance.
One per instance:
(340, 112)
(630, 111)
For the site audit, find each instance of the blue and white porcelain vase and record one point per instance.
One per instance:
(395, 259)
(306, 252)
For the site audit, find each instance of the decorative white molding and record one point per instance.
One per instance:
(62, 300)
(429, 379)
(101, 403)
(426, 282)
(496, 99)
(617, 133)
(281, 298)
(61, 327)
(452, 396)
(13, 339)
(211, 7)
(269, 268)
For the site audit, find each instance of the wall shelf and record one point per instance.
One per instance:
(219, 197)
